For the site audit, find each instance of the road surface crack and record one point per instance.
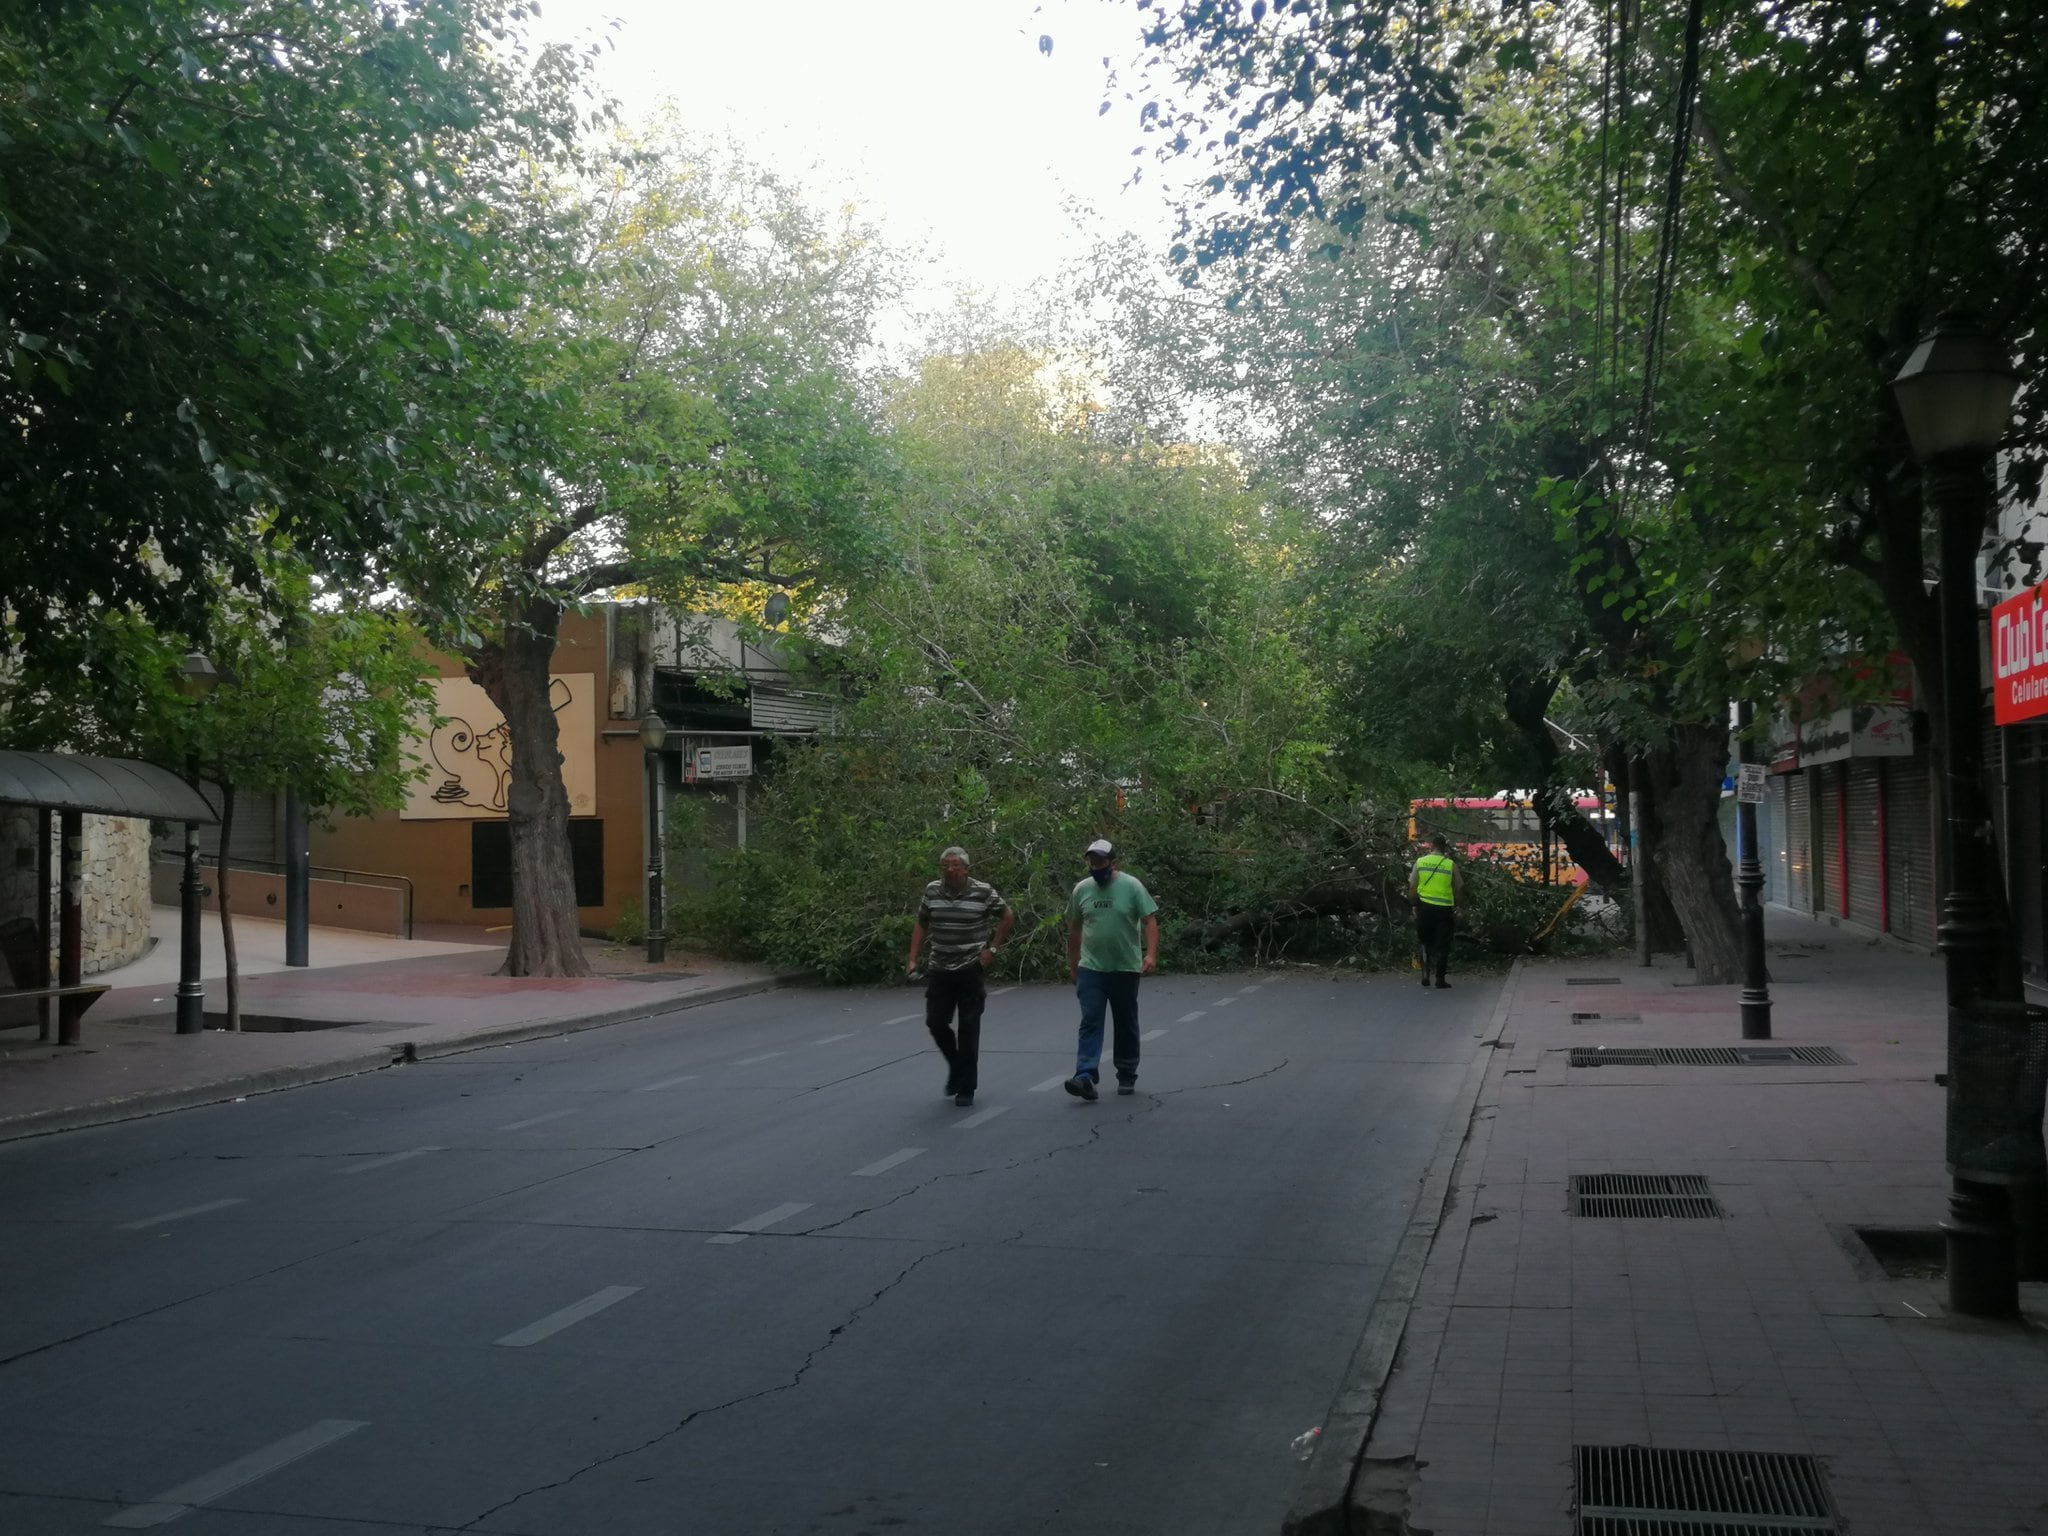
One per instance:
(796, 1380)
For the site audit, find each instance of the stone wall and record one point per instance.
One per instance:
(116, 883)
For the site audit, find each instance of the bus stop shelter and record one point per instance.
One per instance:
(64, 787)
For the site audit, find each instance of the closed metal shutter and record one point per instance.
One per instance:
(256, 844)
(2028, 860)
(1909, 847)
(1771, 837)
(1799, 840)
(1866, 865)
(1827, 826)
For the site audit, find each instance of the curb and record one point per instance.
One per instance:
(378, 1053)
(1323, 1498)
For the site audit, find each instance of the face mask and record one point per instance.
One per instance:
(1102, 876)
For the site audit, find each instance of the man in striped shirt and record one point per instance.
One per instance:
(967, 921)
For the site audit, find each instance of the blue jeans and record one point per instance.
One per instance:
(1116, 991)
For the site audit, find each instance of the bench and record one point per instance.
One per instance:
(27, 1002)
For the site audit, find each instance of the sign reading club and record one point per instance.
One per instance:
(2019, 656)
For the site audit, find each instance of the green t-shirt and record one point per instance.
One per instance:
(1112, 919)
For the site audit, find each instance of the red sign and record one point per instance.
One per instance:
(2019, 656)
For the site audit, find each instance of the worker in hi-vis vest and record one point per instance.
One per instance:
(1436, 888)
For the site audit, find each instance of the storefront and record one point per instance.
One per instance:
(1849, 834)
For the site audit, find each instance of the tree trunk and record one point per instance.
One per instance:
(227, 920)
(513, 671)
(1667, 934)
(1527, 700)
(1692, 856)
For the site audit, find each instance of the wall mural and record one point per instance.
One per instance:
(469, 756)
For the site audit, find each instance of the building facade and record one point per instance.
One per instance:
(729, 703)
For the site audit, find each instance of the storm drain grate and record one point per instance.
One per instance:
(1708, 1056)
(1644, 1194)
(1592, 981)
(1607, 1018)
(1631, 1490)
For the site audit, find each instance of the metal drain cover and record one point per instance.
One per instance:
(1708, 1056)
(1631, 1490)
(1628, 1195)
(1592, 981)
(1607, 1018)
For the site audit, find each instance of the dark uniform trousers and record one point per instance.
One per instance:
(944, 993)
(1434, 925)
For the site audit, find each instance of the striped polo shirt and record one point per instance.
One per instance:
(959, 922)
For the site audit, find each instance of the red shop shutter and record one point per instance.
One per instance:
(1799, 840)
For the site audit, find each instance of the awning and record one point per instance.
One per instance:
(107, 786)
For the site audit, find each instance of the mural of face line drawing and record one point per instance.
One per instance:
(478, 764)
(470, 754)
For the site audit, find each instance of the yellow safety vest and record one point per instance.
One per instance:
(1433, 880)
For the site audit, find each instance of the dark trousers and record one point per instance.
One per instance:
(1433, 925)
(1115, 992)
(944, 992)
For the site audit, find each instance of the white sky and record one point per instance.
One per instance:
(940, 118)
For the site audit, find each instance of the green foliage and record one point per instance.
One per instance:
(1002, 696)
(256, 260)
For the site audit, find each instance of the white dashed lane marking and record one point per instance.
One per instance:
(1050, 1082)
(1189, 1018)
(739, 1231)
(386, 1161)
(999, 991)
(1225, 1002)
(1252, 988)
(980, 1116)
(553, 1114)
(883, 1165)
(830, 1039)
(903, 1018)
(748, 1061)
(1152, 1034)
(667, 1082)
(190, 1210)
(570, 1315)
(209, 1486)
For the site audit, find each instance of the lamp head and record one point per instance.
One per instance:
(196, 676)
(653, 732)
(1956, 389)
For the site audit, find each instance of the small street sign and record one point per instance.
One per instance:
(1749, 784)
(725, 762)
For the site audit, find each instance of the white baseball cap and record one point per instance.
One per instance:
(1102, 846)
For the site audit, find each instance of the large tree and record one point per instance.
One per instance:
(255, 260)
(710, 433)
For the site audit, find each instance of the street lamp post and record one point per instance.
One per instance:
(1749, 881)
(653, 737)
(1955, 392)
(195, 680)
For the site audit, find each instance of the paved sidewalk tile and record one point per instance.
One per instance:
(1770, 1329)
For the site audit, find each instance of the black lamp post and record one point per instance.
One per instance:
(196, 678)
(1749, 881)
(653, 737)
(1955, 393)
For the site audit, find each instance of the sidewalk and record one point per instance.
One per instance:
(1771, 1329)
(364, 1003)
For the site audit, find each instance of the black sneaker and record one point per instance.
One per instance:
(1125, 1090)
(1444, 984)
(1081, 1088)
(964, 1097)
(1425, 978)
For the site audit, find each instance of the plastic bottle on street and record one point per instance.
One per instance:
(1305, 1443)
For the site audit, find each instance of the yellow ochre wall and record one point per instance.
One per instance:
(435, 855)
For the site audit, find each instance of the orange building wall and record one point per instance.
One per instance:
(434, 855)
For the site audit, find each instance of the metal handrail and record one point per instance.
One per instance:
(314, 871)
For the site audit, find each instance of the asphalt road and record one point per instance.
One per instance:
(732, 1270)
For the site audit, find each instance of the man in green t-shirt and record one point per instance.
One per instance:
(1112, 940)
(1436, 887)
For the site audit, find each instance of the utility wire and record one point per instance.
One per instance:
(1667, 245)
